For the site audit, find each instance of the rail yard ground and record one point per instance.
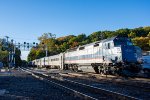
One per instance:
(18, 85)
(21, 84)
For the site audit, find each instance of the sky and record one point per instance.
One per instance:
(26, 20)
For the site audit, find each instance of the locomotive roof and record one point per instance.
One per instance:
(112, 38)
(100, 41)
(109, 39)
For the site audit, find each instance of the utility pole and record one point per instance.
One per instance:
(14, 54)
(8, 59)
(7, 38)
(46, 50)
(12, 49)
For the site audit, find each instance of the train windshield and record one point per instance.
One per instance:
(122, 41)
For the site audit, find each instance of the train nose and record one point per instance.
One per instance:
(129, 54)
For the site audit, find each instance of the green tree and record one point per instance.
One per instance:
(148, 35)
(122, 31)
(142, 42)
(32, 54)
(18, 61)
(132, 35)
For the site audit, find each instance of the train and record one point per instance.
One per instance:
(116, 55)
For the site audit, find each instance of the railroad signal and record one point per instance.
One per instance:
(10, 46)
(19, 45)
(12, 40)
(28, 45)
(36, 44)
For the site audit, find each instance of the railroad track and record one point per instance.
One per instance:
(111, 80)
(138, 92)
(133, 84)
(82, 90)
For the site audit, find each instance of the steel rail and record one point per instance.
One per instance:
(76, 93)
(97, 89)
(124, 84)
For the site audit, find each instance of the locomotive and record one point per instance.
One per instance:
(116, 55)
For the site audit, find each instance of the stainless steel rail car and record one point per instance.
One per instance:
(55, 61)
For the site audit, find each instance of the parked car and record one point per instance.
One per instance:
(146, 64)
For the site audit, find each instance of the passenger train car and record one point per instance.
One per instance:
(113, 55)
(55, 61)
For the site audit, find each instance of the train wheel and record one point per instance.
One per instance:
(71, 67)
(76, 68)
(116, 72)
(101, 70)
(105, 69)
(113, 71)
(96, 69)
(105, 72)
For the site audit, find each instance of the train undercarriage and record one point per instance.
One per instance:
(130, 69)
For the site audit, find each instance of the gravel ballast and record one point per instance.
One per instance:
(21, 86)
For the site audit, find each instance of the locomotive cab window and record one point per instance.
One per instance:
(129, 42)
(122, 41)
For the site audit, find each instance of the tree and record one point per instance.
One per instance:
(81, 37)
(18, 61)
(95, 36)
(122, 31)
(142, 42)
(3, 54)
(47, 36)
(64, 47)
(40, 54)
(132, 35)
(32, 54)
(148, 35)
(149, 38)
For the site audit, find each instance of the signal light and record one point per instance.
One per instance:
(36, 44)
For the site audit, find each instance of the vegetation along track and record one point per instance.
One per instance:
(81, 89)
